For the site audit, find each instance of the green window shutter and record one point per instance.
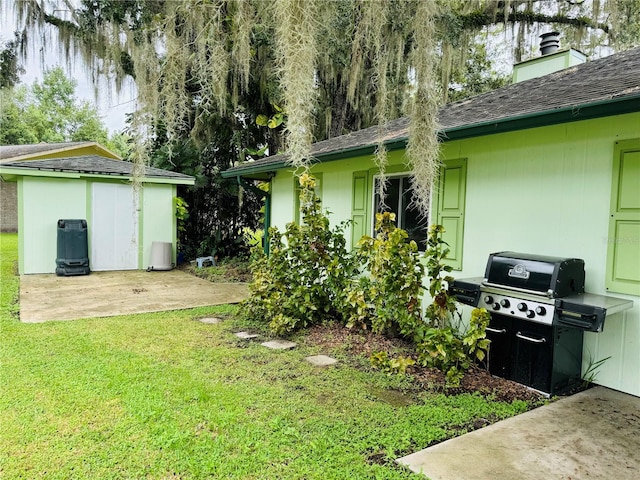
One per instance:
(623, 252)
(359, 206)
(449, 208)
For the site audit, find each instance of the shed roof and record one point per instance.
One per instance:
(91, 165)
(603, 87)
(10, 153)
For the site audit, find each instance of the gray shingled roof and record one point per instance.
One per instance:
(607, 86)
(12, 151)
(92, 164)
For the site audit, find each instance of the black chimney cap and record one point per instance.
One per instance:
(550, 42)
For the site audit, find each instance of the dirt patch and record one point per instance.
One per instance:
(226, 271)
(334, 337)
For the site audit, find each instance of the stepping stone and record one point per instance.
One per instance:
(279, 344)
(246, 335)
(210, 320)
(320, 360)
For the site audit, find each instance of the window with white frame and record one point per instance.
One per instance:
(398, 200)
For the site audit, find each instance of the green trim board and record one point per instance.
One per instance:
(11, 173)
(360, 200)
(141, 215)
(21, 249)
(557, 116)
(88, 216)
(174, 225)
(623, 252)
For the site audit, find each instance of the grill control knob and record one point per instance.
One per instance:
(505, 303)
(531, 314)
(522, 307)
(488, 299)
(496, 306)
(541, 310)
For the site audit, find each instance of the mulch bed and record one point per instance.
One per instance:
(223, 273)
(364, 344)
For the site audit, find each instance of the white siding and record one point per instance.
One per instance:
(114, 227)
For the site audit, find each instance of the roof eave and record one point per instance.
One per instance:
(260, 172)
(44, 153)
(588, 111)
(11, 173)
(603, 108)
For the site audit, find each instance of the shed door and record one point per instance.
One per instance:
(114, 227)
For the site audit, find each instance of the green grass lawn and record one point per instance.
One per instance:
(163, 396)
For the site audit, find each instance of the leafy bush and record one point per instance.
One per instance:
(442, 309)
(445, 344)
(397, 365)
(453, 350)
(309, 276)
(303, 280)
(388, 300)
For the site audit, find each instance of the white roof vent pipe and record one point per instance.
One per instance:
(549, 43)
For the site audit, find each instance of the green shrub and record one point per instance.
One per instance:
(392, 366)
(303, 280)
(446, 345)
(388, 300)
(442, 310)
(452, 349)
(309, 277)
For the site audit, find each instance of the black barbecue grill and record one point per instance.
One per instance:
(539, 311)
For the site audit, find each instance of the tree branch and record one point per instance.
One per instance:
(482, 19)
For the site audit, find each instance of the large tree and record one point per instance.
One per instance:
(329, 66)
(49, 112)
(10, 68)
(344, 62)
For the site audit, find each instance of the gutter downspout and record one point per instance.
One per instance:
(267, 209)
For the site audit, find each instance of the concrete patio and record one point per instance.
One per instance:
(104, 294)
(594, 434)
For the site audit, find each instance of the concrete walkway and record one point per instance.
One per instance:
(594, 434)
(105, 294)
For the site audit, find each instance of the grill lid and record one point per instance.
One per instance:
(538, 274)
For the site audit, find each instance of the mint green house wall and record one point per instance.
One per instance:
(545, 190)
(158, 219)
(49, 200)
(44, 200)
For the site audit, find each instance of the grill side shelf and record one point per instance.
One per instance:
(588, 311)
(466, 291)
(583, 317)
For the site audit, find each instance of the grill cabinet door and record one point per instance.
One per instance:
(533, 355)
(500, 333)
